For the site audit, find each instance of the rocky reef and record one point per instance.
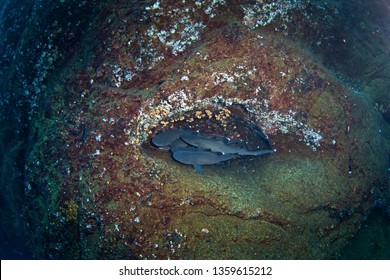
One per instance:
(93, 187)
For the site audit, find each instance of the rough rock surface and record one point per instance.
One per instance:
(96, 188)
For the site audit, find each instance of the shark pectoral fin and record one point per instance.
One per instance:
(198, 168)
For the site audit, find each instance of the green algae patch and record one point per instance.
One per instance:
(93, 186)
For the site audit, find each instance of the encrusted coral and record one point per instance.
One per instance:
(179, 104)
(262, 13)
(95, 188)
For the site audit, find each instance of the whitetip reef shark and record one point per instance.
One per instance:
(196, 149)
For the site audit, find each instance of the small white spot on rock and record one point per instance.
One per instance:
(185, 78)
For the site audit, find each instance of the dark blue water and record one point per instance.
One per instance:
(365, 66)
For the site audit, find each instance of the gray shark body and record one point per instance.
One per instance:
(196, 149)
(219, 145)
(200, 157)
(164, 140)
(197, 158)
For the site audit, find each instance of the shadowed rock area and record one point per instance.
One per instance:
(89, 87)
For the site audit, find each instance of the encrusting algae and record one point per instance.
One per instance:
(97, 188)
